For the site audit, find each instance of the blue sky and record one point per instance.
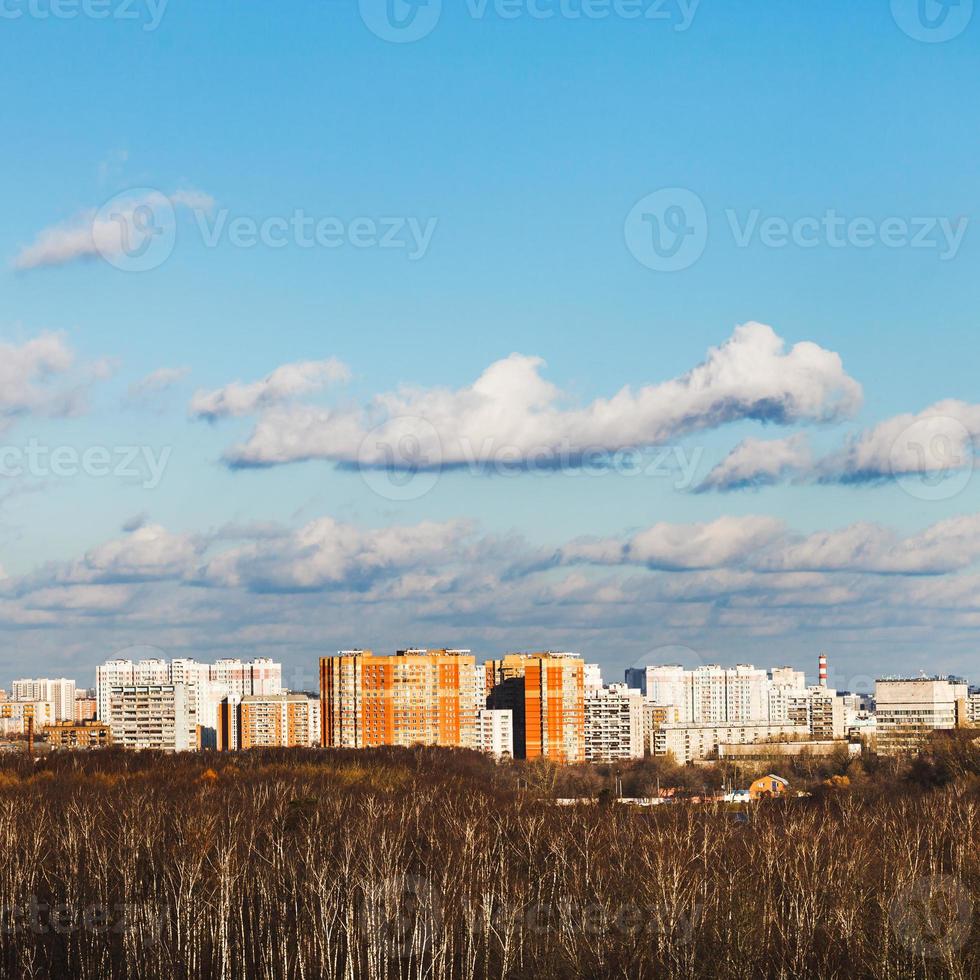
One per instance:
(527, 142)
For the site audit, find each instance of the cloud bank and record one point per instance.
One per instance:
(511, 411)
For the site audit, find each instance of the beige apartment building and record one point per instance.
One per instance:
(908, 709)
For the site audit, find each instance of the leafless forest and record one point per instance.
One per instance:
(427, 864)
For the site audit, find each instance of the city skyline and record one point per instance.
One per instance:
(575, 352)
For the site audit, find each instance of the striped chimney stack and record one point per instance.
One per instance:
(823, 670)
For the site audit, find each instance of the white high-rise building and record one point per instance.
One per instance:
(613, 724)
(593, 678)
(785, 683)
(495, 732)
(150, 716)
(710, 694)
(60, 692)
(205, 685)
(667, 686)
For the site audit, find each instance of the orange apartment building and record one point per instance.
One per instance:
(417, 697)
(546, 692)
(268, 721)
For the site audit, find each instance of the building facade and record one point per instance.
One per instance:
(613, 724)
(416, 697)
(269, 721)
(60, 692)
(70, 735)
(909, 709)
(151, 716)
(689, 743)
(495, 732)
(546, 693)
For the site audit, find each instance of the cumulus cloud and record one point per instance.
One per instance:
(765, 544)
(722, 588)
(285, 383)
(932, 444)
(939, 439)
(95, 233)
(326, 554)
(759, 463)
(40, 377)
(146, 553)
(725, 541)
(511, 412)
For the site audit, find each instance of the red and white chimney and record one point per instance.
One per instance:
(823, 669)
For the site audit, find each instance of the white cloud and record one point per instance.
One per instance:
(326, 554)
(758, 463)
(39, 377)
(861, 592)
(147, 553)
(92, 234)
(766, 544)
(938, 441)
(725, 541)
(285, 383)
(512, 412)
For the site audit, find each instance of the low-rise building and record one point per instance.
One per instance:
(768, 786)
(775, 750)
(688, 743)
(72, 735)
